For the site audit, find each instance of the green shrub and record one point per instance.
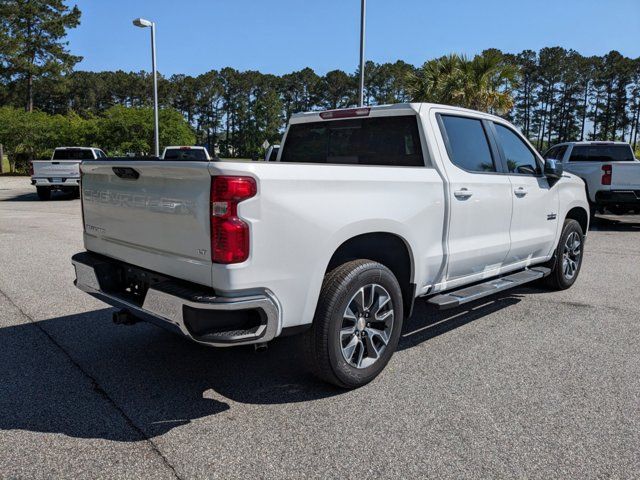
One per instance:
(120, 130)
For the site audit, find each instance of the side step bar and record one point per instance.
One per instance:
(484, 289)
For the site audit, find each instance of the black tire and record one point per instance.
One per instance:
(44, 193)
(76, 192)
(323, 343)
(559, 279)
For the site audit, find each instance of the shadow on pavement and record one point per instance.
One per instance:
(33, 197)
(621, 224)
(159, 379)
(427, 322)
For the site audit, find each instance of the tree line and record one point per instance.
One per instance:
(553, 95)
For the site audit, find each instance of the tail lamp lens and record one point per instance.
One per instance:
(606, 177)
(229, 233)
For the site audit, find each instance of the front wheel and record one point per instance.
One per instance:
(357, 324)
(568, 257)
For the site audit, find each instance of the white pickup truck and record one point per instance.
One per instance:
(62, 172)
(365, 210)
(609, 169)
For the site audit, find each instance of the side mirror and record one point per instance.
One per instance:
(553, 170)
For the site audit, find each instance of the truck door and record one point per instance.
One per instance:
(535, 203)
(479, 197)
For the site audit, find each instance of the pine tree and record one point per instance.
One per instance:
(31, 41)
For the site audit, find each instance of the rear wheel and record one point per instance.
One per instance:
(357, 324)
(44, 193)
(568, 257)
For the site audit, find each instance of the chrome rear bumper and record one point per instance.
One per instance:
(55, 181)
(195, 312)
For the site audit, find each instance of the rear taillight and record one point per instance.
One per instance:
(31, 169)
(606, 176)
(229, 233)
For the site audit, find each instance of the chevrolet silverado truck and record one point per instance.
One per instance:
(609, 169)
(62, 172)
(365, 210)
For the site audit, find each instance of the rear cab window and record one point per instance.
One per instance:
(390, 141)
(601, 153)
(185, 154)
(72, 154)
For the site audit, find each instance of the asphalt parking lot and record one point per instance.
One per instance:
(530, 384)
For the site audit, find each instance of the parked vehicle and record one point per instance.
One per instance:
(186, 153)
(609, 169)
(62, 171)
(272, 153)
(365, 210)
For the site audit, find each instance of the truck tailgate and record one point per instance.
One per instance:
(153, 214)
(625, 176)
(56, 168)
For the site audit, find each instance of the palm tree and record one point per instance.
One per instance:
(484, 83)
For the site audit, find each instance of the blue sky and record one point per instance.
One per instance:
(280, 36)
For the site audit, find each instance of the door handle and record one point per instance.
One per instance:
(520, 192)
(462, 194)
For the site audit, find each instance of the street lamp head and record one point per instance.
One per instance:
(142, 23)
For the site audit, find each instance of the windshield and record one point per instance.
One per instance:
(602, 153)
(185, 154)
(72, 154)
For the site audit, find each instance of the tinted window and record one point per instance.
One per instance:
(185, 154)
(520, 159)
(72, 154)
(467, 144)
(601, 153)
(556, 153)
(273, 155)
(367, 141)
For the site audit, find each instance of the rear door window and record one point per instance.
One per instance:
(601, 153)
(467, 144)
(392, 141)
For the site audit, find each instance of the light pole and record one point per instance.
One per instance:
(142, 23)
(363, 12)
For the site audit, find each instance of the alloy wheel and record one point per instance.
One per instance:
(571, 255)
(367, 324)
